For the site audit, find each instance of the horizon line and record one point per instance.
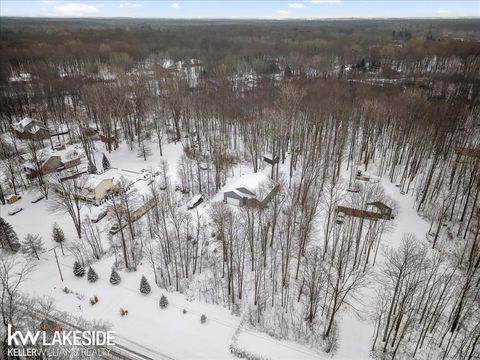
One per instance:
(245, 18)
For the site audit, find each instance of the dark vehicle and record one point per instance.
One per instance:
(116, 228)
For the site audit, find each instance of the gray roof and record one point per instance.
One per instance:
(232, 194)
(245, 191)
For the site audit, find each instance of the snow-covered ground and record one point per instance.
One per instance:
(169, 331)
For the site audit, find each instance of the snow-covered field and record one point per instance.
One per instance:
(169, 331)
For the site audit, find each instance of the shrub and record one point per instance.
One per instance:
(163, 302)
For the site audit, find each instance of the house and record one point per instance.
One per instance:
(140, 205)
(385, 210)
(49, 162)
(257, 190)
(89, 188)
(343, 211)
(28, 128)
(47, 165)
(140, 201)
(96, 188)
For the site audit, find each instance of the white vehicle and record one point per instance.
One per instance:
(194, 202)
(37, 198)
(98, 216)
(15, 210)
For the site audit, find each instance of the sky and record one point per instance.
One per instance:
(241, 9)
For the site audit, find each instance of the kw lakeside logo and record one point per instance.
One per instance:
(89, 343)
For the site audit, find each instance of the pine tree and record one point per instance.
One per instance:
(144, 286)
(32, 245)
(163, 302)
(8, 236)
(203, 318)
(78, 269)
(58, 235)
(105, 162)
(92, 275)
(92, 169)
(115, 278)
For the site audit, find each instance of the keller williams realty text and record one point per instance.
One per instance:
(59, 338)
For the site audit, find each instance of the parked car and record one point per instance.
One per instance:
(340, 218)
(37, 198)
(116, 228)
(15, 210)
(194, 202)
(98, 216)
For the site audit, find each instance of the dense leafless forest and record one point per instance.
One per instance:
(323, 108)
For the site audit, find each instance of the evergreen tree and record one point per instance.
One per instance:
(92, 169)
(78, 269)
(92, 275)
(32, 245)
(105, 162)
(144, 286)
(8, 236)
(115, 278)
(203, 318)
(58, 235)
(163, 302)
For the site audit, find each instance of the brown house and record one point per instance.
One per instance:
(49, 164)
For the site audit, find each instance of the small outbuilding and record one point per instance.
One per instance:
(11, 199)
(271, 160)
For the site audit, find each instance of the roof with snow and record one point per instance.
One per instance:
(25, 121)
(93, 180)
(43, 155)
(254, 185)
(28, 124)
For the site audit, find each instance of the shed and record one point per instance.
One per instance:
(11, 199)
(271, 160)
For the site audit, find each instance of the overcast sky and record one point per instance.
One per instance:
(241, 9)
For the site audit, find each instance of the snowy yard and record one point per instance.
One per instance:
(167, 331)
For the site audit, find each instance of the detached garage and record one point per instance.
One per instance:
(232, 198)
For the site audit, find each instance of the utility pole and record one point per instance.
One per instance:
(58, 265)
